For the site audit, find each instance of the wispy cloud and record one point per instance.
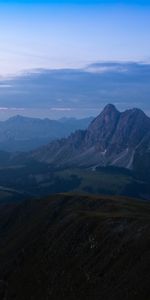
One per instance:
(12, 108)
(116, 67)
(106, 69)
(61, 108)
(5, 86)
(4, 108)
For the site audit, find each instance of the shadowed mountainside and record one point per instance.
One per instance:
(113, 138)
(75, 247)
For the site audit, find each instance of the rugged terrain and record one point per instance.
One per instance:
(111, 157)
(113, 138)
(75, 247)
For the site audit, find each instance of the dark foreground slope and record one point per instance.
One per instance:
(75, 247)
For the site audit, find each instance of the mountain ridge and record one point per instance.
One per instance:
(112, 138)
(20, 133)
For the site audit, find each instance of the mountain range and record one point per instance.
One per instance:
(112, 139)
(23, 133)
(111, 156)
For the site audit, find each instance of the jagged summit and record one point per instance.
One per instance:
(109, 108)
(108, 113)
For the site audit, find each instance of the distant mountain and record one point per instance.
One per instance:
(112, 139)
(23, 134)
(75, 247)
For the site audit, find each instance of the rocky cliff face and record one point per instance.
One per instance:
(113, 138)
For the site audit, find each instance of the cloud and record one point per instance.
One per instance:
(117, 67)
(61, 108)
(70, 90)
(106, 68)
(5, 86)
(12, 108)
(4, 108)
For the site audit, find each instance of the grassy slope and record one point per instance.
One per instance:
(42, 179)
(75, 247)
(97, 182)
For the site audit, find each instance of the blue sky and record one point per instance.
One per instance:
(72, 34)
(129, 2)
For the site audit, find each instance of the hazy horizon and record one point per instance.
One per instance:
(55, 114)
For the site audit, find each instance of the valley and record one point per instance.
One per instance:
(36, 179)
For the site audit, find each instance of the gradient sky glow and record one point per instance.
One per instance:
(58, 34)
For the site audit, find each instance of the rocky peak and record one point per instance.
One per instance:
(109, 114)
(112, 138)
(104, 125)
(110, 108)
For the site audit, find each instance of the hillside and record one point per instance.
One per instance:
(75, 247)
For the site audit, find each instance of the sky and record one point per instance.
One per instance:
(71, 34)
(82, 35)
